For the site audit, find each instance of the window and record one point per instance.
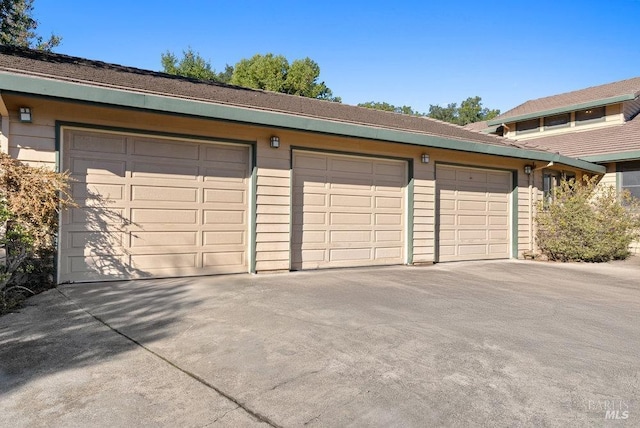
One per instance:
(557, 121)
(591, 115)
(551, 180)
(630, 172)
(528, 126)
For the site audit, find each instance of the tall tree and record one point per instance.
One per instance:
(193, 65)
(470, 111)
(274, 73)
(18, 27)
(390, 107)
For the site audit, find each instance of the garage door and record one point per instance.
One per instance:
(153, 207)
(474, 213)
(347, 211)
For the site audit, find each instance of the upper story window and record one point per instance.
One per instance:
(557, 121)
(630, 172)
(596, 114)
(532, 125)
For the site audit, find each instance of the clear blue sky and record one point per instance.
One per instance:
(413, 53)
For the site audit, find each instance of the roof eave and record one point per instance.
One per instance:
(612, 157)
(564, 109)
(80, 92)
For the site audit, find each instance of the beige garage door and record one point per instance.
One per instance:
(153, 207)
(347, 211)
(474, 213)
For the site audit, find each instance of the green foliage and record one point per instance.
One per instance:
(470, 111)
(587, 222)
(30, 201)
(18, 28)
(193, 65)
(384, 106)
(274, 73)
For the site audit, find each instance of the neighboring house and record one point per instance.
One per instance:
(180, 177)
(599, 124)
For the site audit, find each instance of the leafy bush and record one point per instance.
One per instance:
(30, 201)
(586, 222)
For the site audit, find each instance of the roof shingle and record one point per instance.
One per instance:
(607, 140)
(97, 73)
(591, 94)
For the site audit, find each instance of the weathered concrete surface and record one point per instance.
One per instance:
(484, 343)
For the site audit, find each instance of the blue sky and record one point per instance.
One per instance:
(413, 53)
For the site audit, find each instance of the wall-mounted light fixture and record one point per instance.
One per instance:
(424, 158)
(274, 142)
(25, 114)
(528, 169)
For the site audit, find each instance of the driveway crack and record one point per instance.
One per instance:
(253, 413)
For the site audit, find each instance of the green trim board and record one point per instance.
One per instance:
(514, 205)
(613, 157)
(410, 189)
(564, 109)
(514, 216)
(76, 92)
(254, 208)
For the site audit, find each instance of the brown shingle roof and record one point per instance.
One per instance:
(97, 73)
(608, 140)
(477, 126)
(591, 94)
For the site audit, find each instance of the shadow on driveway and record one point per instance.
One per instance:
(483, 343)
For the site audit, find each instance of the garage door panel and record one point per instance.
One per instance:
(388, 219)
(352, 165)
(311, 162)
(165, 194)
(98, 143)
(86, 190)
(340, 219)
(388, 202)
(349, 254)
(146, 262)
(340, 236)
(169, 210)
(498, 220)
(96, 167)
(224, 196)
(161, 148)
(350, 201)
(227, 154)
(471, 220)
(473, 217)
(95, 267)
(351, 183)
(164, 239)
(155, 171)
(225, 217)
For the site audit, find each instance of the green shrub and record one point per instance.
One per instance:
(587, 222)
(30, 202)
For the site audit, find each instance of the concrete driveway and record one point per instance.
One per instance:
(505, 343)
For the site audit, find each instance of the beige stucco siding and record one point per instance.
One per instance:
(35, 143)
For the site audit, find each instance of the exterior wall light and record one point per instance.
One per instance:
(25, 114)
(424, 158)
(274, 142)
(528, 169)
